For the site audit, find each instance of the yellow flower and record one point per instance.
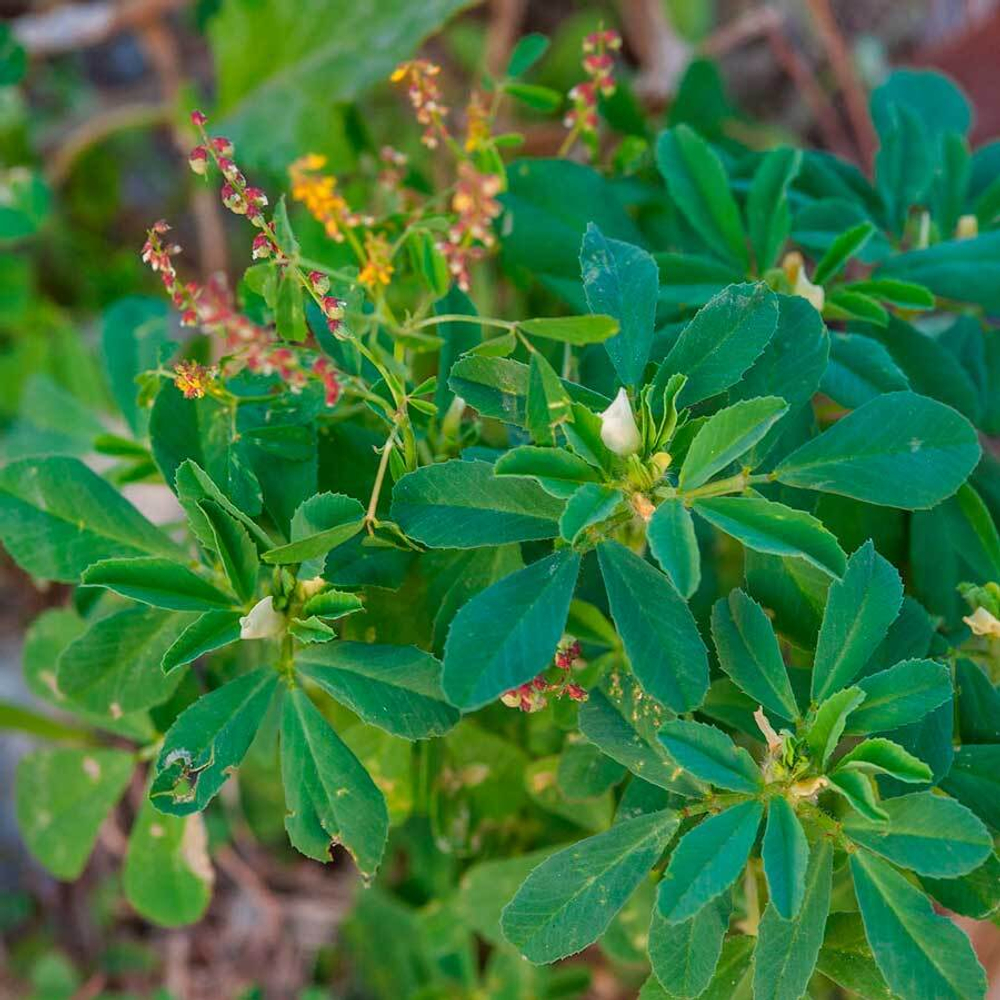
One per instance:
(378, 267)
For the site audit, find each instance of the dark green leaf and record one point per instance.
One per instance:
(749, 653)
(321, 523)
(768, 214)
(707, 861)
(235, 548)
(508, 633)
(766, 526)
(158, 582)
(208, 742)
(462, 505)
(785, 853)
(621, 280)
(921, 954)
(657, 629)
(711, 756)
(787, 949)
(397, 688)
(672, 541)
(900, 695)
(828, 724)
(569, 900)
(330, 797)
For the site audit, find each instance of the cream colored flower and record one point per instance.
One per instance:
(618, 428)
(263, 622)
(982, 622)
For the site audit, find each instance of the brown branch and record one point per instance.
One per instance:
(842, 64)
(506, 18)
(768, 22)
(662, 55)
(73, 26)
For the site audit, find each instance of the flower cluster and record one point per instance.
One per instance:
(471, 235)
(422, 89)
(598, 64)
(985, 602)
(194, 379)
(318, 192)
(211, 307)
(377, 269)
(534, 696)
(477, 124)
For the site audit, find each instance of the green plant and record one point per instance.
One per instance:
(447, 578)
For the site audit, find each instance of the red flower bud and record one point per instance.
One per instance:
(198, 119)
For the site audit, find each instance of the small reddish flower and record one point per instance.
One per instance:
(198, 119)
(262, 247)
(320, 283)
(198, 160)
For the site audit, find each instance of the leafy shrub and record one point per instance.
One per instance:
(640, 613)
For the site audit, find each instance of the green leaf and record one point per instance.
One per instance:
(766, 526)
(333, 604)
(330, 797)
(320, 523)
(966, 270)
(311, 629)
(723, 340)
(208, 742)
(846, 959)
(730, 982)
(856, 789)
(508, 632)
(711, 756)
(974, 779)
(785, 852)
(860, 370)
(211, 631)
(749, 653)
(828, 724)
(672, 541)
(787, 950)
(114, 667)
(548, 404)
(194, 485)
(768, 215)
(572, 329)
(842, 303)
(62, 798)
(585, 772)
(557, 471)
(975, 895)
(928, 833)
(847, 245)
(462, 505)
(921, 954)
(158, 582)
(306, 74)
(684, 956)
(133, 332)
(900, 695)
(167, 875)
(235, 548)
(397, 688)
(699, 187)
(622, 280)
(708, 860)
(44, 641)
(623, 722)
(57, 518)
(498, 387)
(904, 294)
(859, 610)
(658, 630)
(568, 901)
(898, 450)
(726, 436)
(591, 504)
(529, 49)
(882, 756)
(539, 98)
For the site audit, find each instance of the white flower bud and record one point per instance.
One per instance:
(982, 622)
(618, 428)
(263, 622)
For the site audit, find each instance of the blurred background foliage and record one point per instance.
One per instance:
(94, 103)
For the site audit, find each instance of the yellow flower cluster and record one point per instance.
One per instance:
(318, 192)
